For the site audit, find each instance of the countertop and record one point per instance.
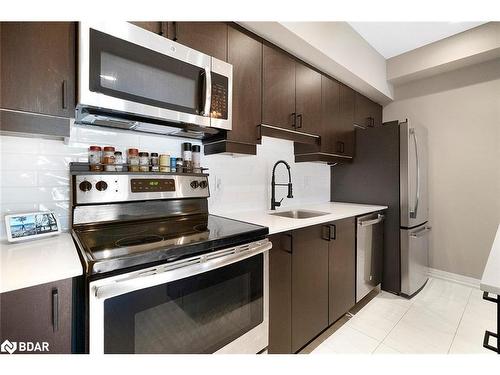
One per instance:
(490, 282)
(36, 262)
(277, 224)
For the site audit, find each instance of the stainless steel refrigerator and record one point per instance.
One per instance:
(390, 168)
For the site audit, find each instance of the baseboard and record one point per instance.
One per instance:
(454, 277)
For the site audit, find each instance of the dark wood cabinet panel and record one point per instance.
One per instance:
(367, 112)
(309, 285)
(39, 313)
(280, 294)
(344, 143)
(153, 26)
(278, 86)
(342, 269)
(330, 118)
(307, 99)
(206, 37)
(245, 54)
(38, 67)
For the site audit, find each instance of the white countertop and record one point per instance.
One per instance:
(30, 263)
(490, 282)
(277, 224)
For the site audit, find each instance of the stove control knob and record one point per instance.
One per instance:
(195, 184)
(85, 186)
(203, 184)
(101, 185)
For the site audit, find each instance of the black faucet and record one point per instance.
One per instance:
(275, 204)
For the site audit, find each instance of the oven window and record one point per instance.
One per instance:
(128, 71)
(199, 314)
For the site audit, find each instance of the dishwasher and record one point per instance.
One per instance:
(369, 253)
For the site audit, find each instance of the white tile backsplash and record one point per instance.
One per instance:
(35, 172)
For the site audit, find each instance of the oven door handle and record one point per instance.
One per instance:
(163, 274)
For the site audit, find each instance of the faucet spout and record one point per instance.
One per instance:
(275, 204)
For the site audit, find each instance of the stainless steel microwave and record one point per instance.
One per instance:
(134, 79)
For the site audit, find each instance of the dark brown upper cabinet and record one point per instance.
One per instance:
(367, 112)
(39, 313)
(37, 68)
(307, 99)
(342, 268)
(309, 284)
(278, 86)
(156, 27)
(207, 37)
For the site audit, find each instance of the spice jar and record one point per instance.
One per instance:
(187, 157)
(173, 165)
(133, 160)
(95, 158)
(118, 161)
(164, 163)
(108, 159)
(143, 162)
(155, 166)
(179, 165)
(196, 158)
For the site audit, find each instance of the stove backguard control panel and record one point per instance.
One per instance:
(108, 188)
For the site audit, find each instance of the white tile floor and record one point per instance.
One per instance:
(444, 317)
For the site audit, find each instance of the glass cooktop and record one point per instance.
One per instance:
(111, 247)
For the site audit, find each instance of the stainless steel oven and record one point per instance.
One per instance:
(135, 79)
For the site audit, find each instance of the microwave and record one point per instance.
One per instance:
(131, 78)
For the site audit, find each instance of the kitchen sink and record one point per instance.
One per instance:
(299, 214)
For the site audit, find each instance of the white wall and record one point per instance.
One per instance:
(244, 183)
(35, 172)
(464, 162)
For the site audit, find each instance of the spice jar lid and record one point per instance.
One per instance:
(133, 151)
(95, 148)
(154, 154)
(178, 159)
(109, 148)
(196, 148)
(118, 152)
(186, 146)
(143, 154)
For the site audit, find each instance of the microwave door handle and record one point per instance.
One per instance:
(208, 93)
(413, 213)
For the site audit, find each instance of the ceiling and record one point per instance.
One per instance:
(394, 38)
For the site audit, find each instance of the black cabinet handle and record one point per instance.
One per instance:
(299, 117)
(175, 31)
(333, 231)
(294, 120)
(55, 309)
(327, 233)
(340, 147)
(287, 243)
(65, 94)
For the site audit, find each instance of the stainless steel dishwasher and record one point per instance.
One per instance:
(369, 253)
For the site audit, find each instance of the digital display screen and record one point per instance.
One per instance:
(148, 185)
(32, 225)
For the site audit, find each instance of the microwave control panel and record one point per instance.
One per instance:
(219, 105)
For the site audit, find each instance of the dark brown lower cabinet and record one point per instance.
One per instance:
(341, 268)
(311, 282)
(41, 313)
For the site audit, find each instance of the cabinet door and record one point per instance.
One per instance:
(309, 284)
(153, 26)
(39, 313)
(308, 99)
(280, 294)
(38, 67)
(278, 101)
(344, 143)
(330, 118)
(245, 54)
(367, 113)
(342, 269)
(206, 37)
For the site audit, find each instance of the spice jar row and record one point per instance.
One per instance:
(109, 160)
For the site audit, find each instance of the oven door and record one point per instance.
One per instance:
(126, 69)
(216, 302)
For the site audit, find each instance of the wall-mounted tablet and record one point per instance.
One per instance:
(31, 225)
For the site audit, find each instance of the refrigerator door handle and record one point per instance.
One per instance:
(413, 213)
(421, 233)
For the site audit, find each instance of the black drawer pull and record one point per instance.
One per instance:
(294, 120)
(55, 309)
(326, 233)
(333, 231)
(65, 94)
(299, 117)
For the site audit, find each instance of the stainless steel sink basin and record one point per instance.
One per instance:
(299, 214)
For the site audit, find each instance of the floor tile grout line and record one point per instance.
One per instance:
(460, 321)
